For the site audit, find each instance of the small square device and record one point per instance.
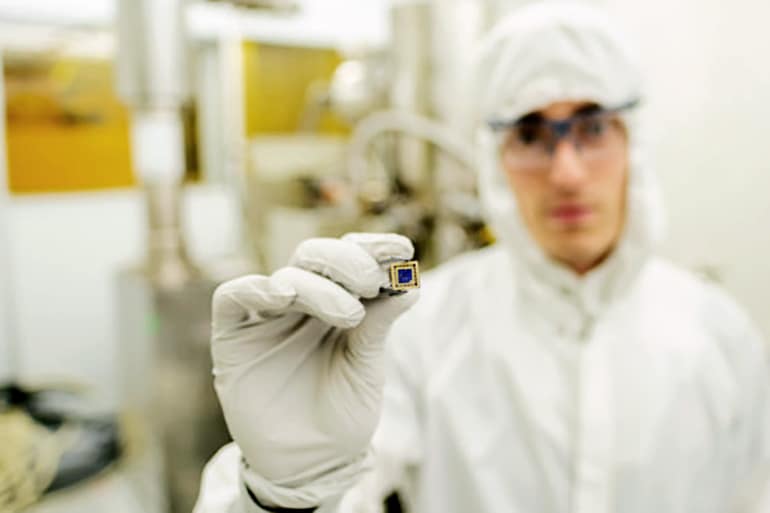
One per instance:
(404, 275)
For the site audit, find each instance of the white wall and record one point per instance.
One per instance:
(8, 356)
(66, 250)
(708, 68)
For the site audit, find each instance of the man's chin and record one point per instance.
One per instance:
(581, 254)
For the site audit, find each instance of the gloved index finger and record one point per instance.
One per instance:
(321, 298)
(343, 262)
(247, 297)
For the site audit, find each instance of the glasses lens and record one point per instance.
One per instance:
(527, 145)
(596, 134)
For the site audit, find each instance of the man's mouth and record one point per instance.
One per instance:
(570, 213)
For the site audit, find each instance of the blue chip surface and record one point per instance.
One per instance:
(404, 275)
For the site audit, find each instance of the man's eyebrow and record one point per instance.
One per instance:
(591, 108)
(532, 117)
(537, 116)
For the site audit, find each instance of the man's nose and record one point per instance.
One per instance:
(567, 168)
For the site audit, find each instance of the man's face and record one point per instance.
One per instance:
(573, 202)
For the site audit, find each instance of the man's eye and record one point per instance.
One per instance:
(594, 127)
(528, 134)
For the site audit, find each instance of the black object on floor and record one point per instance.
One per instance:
(96, 439)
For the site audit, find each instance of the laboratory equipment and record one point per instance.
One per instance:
(164, 302)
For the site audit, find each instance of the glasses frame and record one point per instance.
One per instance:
(562, 128)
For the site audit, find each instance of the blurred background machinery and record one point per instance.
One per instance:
(375, 143)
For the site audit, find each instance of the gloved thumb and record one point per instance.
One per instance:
(366, 341)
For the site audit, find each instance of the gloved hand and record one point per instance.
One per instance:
(298, 364)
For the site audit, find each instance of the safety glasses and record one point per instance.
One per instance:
(528, 143)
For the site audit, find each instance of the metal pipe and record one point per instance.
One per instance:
(406, 123)
(410, 89)
(153, 80)
(173, 358)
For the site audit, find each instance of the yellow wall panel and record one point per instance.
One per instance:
(66, 129)
(277, 83)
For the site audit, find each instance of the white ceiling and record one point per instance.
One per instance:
(335, 23)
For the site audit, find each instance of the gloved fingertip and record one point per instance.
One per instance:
(283, 291)
(352, 319)
(383, 246)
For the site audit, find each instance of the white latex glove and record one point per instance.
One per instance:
(298, 365)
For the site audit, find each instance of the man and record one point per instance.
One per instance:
(564, 369)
